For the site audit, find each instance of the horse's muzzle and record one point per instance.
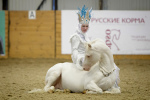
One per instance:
(86, 68)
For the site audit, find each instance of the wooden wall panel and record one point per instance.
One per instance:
(32, 38)
(6, 35)
(58, 37)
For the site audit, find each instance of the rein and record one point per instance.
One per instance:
(108, 73)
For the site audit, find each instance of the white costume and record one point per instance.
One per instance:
(78, 40)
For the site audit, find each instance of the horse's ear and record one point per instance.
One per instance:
(89, 45)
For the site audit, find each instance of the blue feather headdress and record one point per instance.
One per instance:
(84, 15)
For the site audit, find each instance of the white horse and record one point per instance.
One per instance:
(98, 75)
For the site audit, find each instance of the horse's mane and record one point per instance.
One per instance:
(106, 57)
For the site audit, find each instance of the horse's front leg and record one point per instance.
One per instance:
(92, 88)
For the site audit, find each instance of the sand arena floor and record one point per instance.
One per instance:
(18, 76)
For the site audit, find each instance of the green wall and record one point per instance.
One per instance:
(2, 30)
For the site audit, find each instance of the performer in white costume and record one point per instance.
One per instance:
(78, 39)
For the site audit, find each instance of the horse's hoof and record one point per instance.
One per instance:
(59, 91)
(107, 92)
(67, 91)
(115, 91)
(91, 92)
(50, 91)
(99, 92)
(84, 92)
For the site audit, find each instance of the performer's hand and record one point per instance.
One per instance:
(81, 61)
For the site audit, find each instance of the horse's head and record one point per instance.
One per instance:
(98, 52)
(91, 55)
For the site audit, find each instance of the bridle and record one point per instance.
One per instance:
(106, 75)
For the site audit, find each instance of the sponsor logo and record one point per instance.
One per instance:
(112, 38)
(118, 20)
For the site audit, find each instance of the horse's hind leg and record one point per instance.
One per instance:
(52, 78)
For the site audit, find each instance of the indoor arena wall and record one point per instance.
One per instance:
(38, 38)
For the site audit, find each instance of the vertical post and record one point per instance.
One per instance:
(54, 8)
(5, 5)
(101, 4)
(53, 4)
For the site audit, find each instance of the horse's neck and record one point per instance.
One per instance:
(95, 67)
(107, 63)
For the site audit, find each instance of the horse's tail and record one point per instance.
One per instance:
(36, 91)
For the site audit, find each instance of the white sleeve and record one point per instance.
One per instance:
(76, 57)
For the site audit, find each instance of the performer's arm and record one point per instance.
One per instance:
(77, 58)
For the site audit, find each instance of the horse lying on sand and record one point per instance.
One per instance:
(97, 77)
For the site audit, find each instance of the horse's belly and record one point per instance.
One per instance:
(73, 84)
(72, 78)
